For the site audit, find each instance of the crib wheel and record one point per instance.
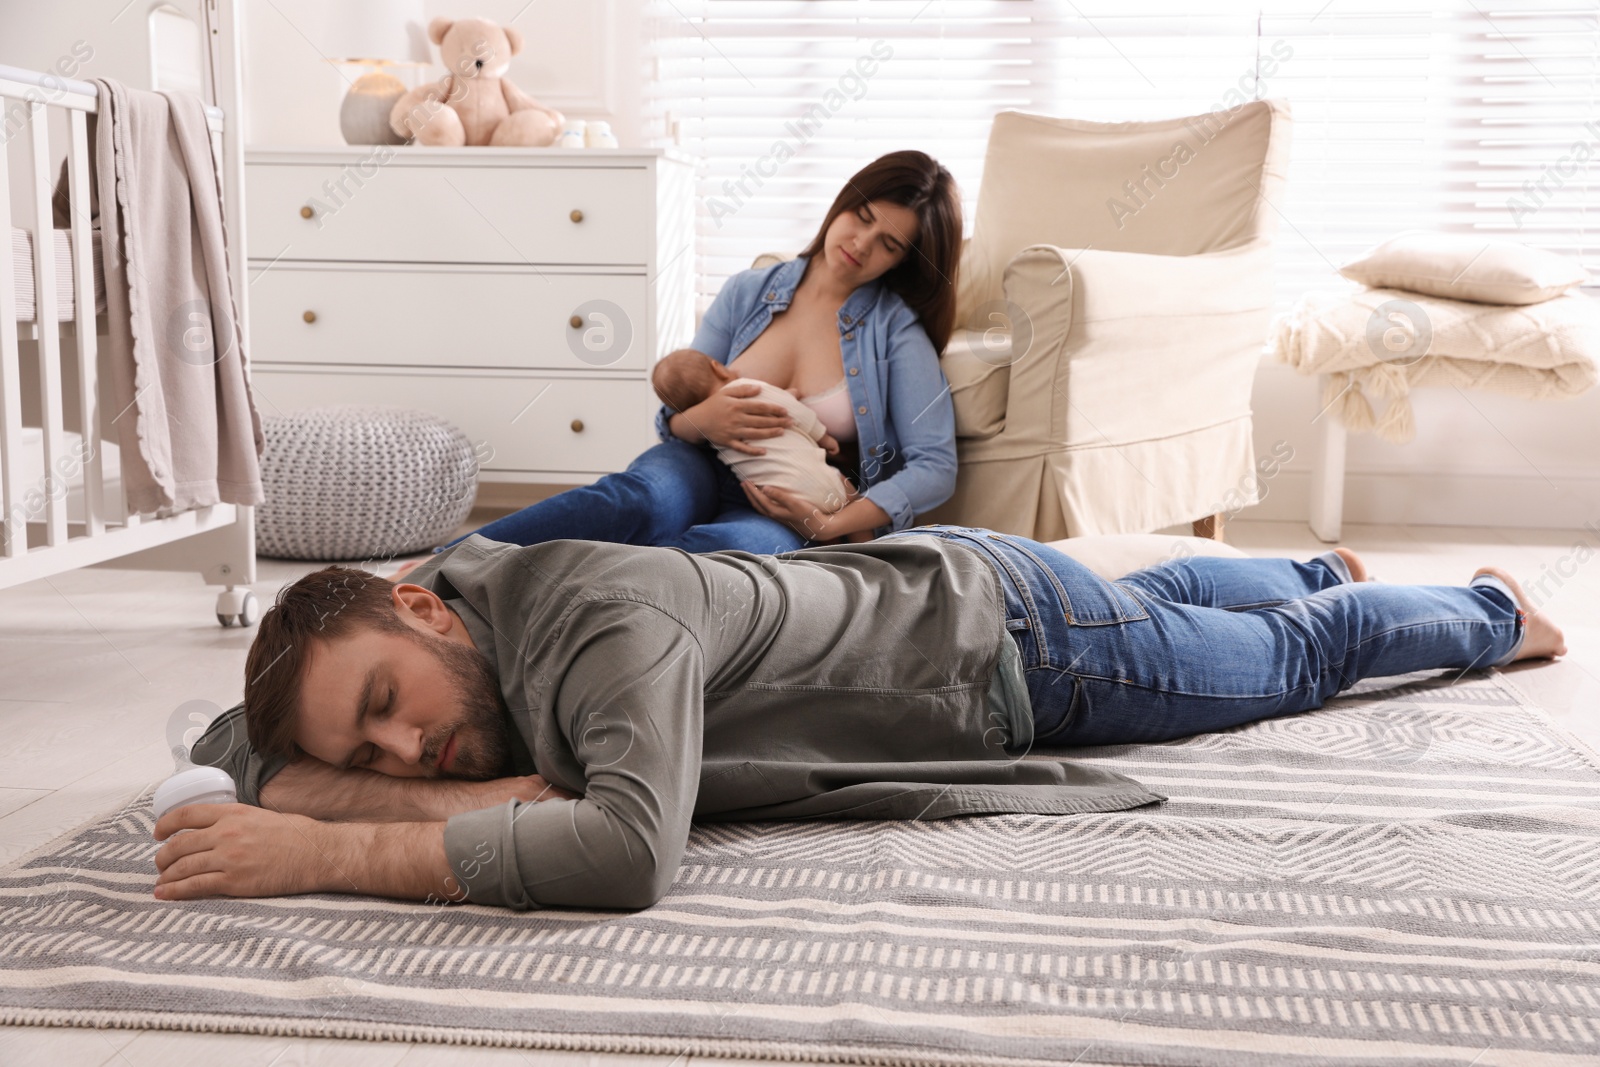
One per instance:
(236, 605)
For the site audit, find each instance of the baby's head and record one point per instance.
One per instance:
(686, 377)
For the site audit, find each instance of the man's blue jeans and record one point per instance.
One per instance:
(1205, 643)
(675, 495)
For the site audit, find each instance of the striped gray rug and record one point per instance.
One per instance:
(1410, 875)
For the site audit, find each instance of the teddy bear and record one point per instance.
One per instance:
(473, 104)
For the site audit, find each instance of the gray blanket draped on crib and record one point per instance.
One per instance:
(178, 397)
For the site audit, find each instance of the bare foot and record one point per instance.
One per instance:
(1542, 639)
(1358, 568)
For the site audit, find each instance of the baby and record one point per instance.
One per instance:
(794, 460)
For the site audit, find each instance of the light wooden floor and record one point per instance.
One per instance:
(93, 662)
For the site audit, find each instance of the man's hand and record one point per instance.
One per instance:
(235, 850)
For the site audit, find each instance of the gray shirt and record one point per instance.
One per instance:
(866, 681)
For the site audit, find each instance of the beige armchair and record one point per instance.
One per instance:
(1115, 296)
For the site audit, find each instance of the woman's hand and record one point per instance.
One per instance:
(731, 417)
(789, 508)
(856, 514)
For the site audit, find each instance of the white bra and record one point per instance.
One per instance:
(832, 406)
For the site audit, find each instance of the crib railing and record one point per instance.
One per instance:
(27, 99)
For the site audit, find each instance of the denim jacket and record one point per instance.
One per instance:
(904, 420)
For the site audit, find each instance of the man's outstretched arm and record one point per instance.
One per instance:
(311, 787)
(235, 850)
(307, 786)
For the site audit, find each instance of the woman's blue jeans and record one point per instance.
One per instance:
(1205, 643)
(675, 495)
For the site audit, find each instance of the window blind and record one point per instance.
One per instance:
(1523, 159)
(1408, 114)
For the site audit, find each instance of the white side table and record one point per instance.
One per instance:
(1327, 476)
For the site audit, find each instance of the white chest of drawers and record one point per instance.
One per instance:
(522, 294)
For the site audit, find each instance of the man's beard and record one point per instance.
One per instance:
(483, 732)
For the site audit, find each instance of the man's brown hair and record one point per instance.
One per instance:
(323, 606)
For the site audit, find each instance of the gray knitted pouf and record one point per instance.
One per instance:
(349, 482)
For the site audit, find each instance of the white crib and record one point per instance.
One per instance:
(62, 504)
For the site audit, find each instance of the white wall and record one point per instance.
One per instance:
(36, 34)
(1477, 459)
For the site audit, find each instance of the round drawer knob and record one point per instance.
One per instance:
(577, 425)
(576, 322)
(576, 216)
(306, 212)
(309, 316)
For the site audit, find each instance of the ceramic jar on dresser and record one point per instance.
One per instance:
(521, 293)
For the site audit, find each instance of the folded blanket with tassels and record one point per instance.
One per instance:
(1382, 343)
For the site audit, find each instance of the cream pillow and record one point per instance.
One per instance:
(1462, 266)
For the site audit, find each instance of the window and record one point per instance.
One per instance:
(1408, 114)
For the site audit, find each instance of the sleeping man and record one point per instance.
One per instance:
(538, 726)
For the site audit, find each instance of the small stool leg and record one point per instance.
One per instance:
(1327, 481)
(1209, 527)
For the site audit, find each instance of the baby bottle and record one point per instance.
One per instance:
(572, 134)
(190, 784)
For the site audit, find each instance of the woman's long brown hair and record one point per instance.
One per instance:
(926, 278)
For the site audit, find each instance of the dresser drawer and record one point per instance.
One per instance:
(449, 317)
(520, 423)
(443, 214)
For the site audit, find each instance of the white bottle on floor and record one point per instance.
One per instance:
(191, 784)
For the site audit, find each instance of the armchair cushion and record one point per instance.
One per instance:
(1177, 187)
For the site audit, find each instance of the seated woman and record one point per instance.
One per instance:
(854, 327)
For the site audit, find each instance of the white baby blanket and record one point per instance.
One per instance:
(793, 460)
